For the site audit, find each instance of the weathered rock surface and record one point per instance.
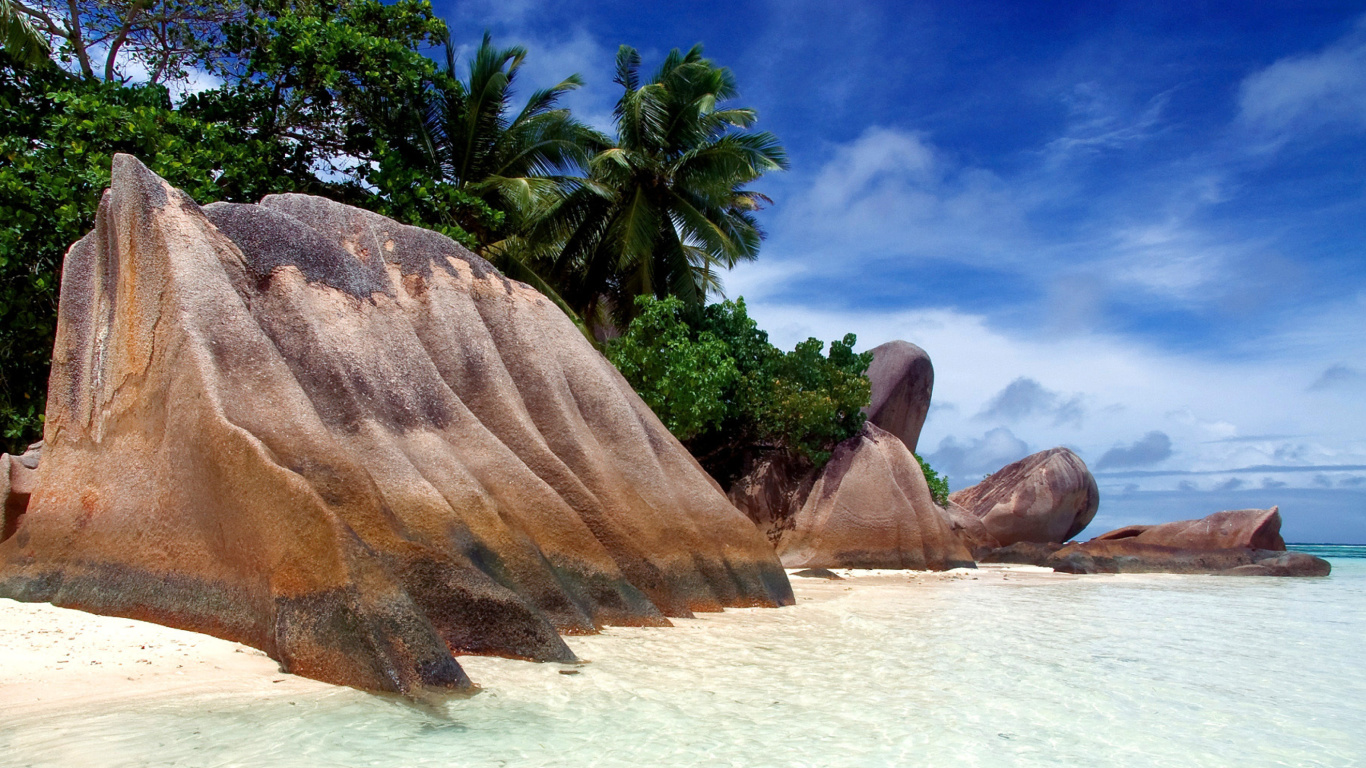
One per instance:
(18, 476)
(1243, 542)
(353, 445)
(1235, 529)
(1047, 497)
(871, 508)
(902, 380)
(1021, 553)
(773, 492)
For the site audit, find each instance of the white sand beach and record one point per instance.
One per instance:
(55, 656)
(1001, 666)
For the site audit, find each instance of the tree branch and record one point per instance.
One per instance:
(73, 27)
(120, 37)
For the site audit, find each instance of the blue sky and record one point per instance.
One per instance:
(1138, 230)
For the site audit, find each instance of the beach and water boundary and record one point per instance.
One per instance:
(1000, 666)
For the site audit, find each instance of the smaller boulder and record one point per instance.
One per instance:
(871, 508)
(1048, 497)
(1244, 542)
(18, 477)
(819, 573)
(902, 380)
(1233, 529)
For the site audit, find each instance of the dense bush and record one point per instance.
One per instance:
(728, 394)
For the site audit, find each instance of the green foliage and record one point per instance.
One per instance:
(515, 161)
(682, 374)
(939, 484)
(728, 394)
(58, 136)
(666, 208)
(18, 39)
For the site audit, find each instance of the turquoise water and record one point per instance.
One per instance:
(1153, 670)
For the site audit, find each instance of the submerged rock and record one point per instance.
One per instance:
(871, 508)
(819, 573)
(1048, 497)
(1245, 542)
(902, 379)
(354, 445)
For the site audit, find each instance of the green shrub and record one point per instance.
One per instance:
(939, 484)
(728, 394)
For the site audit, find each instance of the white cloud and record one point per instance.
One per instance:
(892, 194)
(1310, 91)
(1201, 405)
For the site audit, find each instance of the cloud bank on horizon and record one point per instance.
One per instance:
(1136, 231)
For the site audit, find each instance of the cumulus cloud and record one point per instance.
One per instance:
(972, 458)
(1146, 451)
(1271, 482)
(1231, 484)
(1353, 481)
(1338, 377)
(1187, 486)
(1310, 91)
(1025, 398)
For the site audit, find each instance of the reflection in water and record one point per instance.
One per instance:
(1106, 671)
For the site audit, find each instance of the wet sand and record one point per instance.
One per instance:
(55, 656)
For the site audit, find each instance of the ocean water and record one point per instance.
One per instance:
(900, 670)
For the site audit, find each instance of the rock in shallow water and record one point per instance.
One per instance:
(353, 445)
(1245, 542)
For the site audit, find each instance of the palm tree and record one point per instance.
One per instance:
(517, 163)
(20, 40)
(667, 207)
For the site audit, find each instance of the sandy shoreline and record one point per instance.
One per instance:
(56, 656)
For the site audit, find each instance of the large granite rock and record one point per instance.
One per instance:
(353, 445)
(902, 380)
(1245, 542)
(870, 508)
(1047, 497)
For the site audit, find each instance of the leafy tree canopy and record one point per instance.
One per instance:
(667, 207)
(719, 385)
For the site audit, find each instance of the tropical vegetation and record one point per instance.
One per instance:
(235, 99)
(731, 396)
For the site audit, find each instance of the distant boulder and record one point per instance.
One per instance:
(871, 508)
(1234, 529)
(902, 381)
(354, 445)
(1048, 497)
(1245, 542)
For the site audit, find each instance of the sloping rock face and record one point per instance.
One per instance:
(1047, 497)
(902, 380)
(1244, 542)
(871, 508)
(353, 445)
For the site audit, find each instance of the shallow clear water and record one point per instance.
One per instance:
(1101, 671)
